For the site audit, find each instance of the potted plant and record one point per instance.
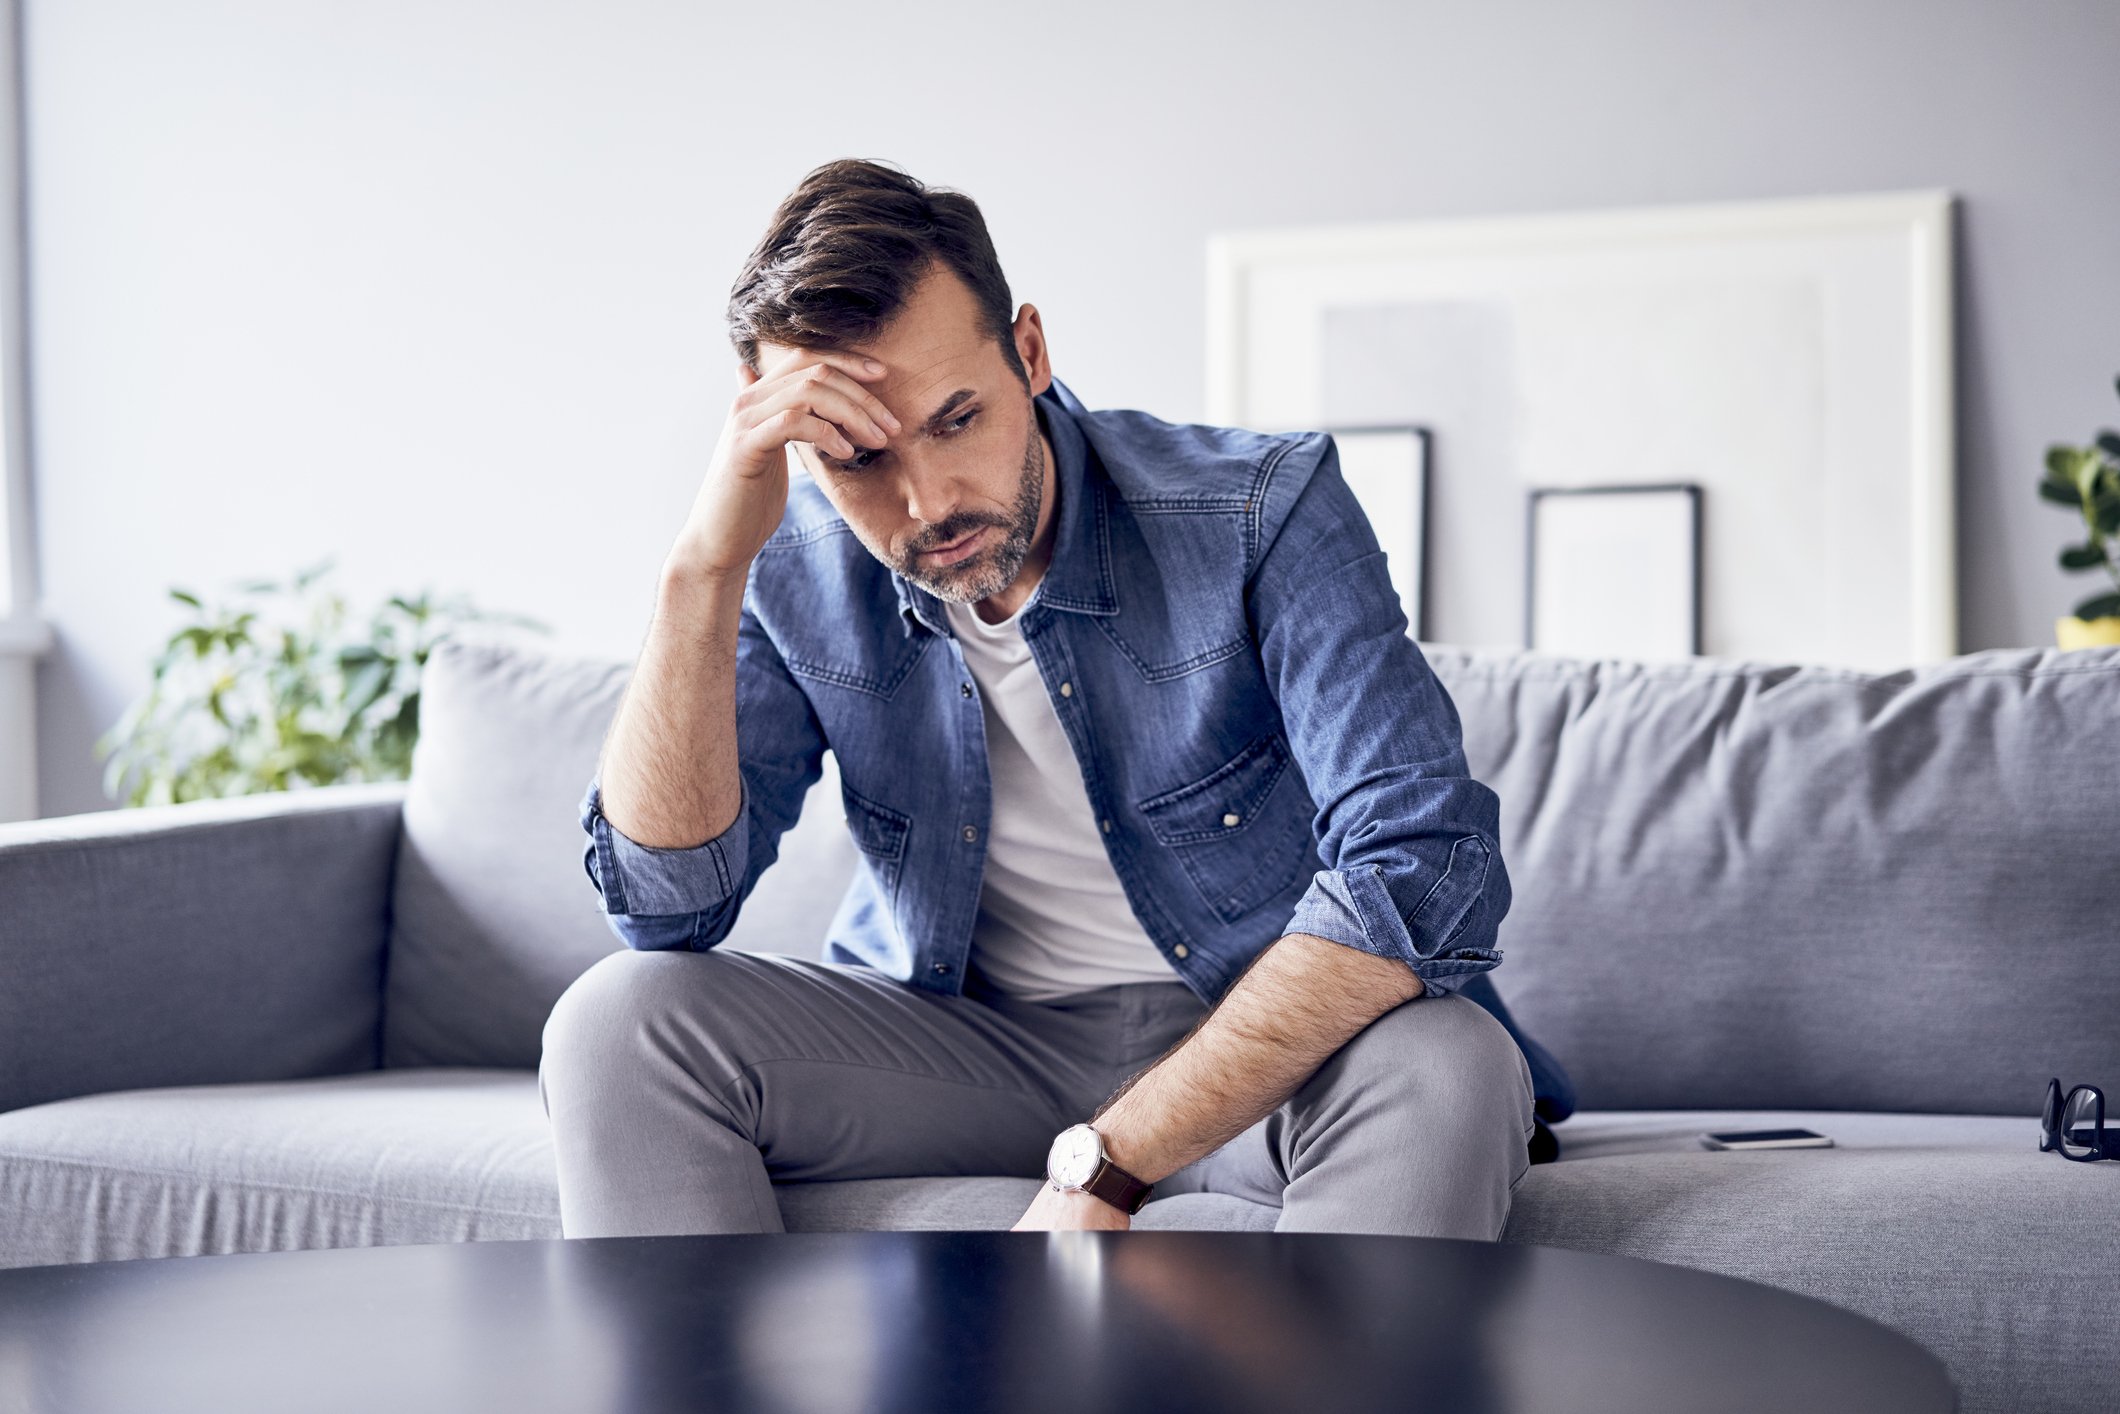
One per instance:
(280, 691)
(2087, 481)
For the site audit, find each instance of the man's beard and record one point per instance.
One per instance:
(994, 568)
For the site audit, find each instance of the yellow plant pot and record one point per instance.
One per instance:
(2072, 632)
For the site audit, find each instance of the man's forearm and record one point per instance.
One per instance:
(668, 772)
(1300, 1001)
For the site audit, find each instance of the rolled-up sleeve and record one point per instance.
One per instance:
(1412, 840)
(654, 897)
(658, 897)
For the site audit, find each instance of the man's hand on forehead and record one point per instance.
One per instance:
(817, 396)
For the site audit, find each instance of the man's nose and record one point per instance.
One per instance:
(930, 496)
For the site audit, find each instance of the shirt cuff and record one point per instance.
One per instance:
(635, 878)
(1352, 906)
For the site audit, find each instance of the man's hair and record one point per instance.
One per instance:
(844, 251)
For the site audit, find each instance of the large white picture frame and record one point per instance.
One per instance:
(1792, 358)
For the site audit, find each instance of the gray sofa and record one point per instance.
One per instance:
(1880, 906)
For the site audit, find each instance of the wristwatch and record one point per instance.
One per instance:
(1077, 1160)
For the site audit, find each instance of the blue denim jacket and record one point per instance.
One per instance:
(1264, 745)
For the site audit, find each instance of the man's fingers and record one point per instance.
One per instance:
(829, 399)
(857, 365)
(818, 366)
(796, 424)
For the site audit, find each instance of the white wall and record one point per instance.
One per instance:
(437, 285)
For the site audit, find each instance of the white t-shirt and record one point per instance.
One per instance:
(1052, 916)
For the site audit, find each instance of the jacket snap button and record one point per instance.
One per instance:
(1232, 819)
(1067, 689)
(941, 969)
(970, 833)
(965, 688)
(1181, 950)
(1107, 827)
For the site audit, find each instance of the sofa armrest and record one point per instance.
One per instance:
(209, 942)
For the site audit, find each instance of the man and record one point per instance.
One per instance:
(1103, 692)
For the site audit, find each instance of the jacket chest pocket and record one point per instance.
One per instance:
(880, 833)
(1235, 831)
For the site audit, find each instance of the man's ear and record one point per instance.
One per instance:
(1031, 349)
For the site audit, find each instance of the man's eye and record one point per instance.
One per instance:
(868, 455)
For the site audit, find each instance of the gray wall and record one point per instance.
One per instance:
(436, 285)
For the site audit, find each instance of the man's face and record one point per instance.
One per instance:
(969, 463)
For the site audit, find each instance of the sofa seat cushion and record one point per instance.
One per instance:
(1953, 1229)
(369, 1159)
(379, 1158)
(1603, 1134)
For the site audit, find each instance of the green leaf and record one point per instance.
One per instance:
(2099, 607)
(183, 596)
(2061, 495)
(407, 719)
(366, 686)
(2109, 443)
(2061, 463)
(2082, 557)
(2088, 474)
(2106, 517)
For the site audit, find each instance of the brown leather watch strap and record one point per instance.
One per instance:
(1117, 1187)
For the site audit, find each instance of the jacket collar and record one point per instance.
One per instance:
(1079, 578)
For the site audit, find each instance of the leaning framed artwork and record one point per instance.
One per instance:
(1613, 571)
(1790, 358)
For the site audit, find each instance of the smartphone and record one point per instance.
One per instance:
(1767, 1139)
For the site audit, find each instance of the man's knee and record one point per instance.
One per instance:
(616, 1011)
(616, 996)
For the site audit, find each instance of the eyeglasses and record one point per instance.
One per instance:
(2074, 1125)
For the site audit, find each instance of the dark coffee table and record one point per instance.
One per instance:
(941, 1323)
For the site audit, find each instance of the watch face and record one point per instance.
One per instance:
(1074, 1157)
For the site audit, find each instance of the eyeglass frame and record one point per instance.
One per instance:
(2101, 1145)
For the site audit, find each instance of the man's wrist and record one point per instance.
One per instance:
(1081, 1161)
(683, 585)
(1125, 1149)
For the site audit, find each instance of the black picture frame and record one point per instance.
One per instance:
(1424, 438)
(1690, 490)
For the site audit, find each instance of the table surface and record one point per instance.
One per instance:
(815, 1323)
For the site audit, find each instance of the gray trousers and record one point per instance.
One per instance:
(681, 1086)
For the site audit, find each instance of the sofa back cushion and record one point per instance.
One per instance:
(1741, 885)
(1736, 885)
(493, 913)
